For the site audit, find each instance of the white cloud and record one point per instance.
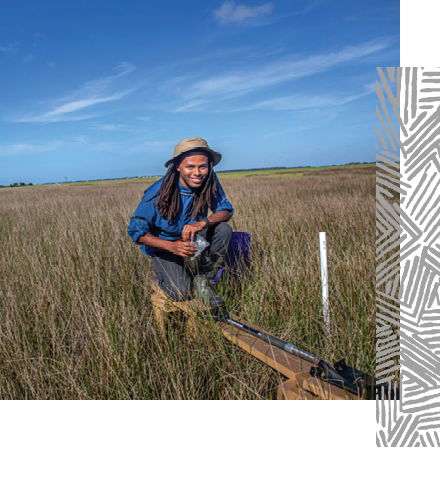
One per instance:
(80, 104)
(96, 87)
(144, 119)
(300, 102)
(110, 127)
(27, 148)
(198, 95)
(230, 12)
(82, 139)
(28, 57)
(92, 93)
(11, 48)
(146, 147)
(105, 147)
(304, 126)
(125, 147)
(55, 118)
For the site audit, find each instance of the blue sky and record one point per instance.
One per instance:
(104, 89)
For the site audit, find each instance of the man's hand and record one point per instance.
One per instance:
(189, 231)
(183, 249)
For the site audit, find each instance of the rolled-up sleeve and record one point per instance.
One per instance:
(221, 202)
(142, 221)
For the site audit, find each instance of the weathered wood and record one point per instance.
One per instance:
(162, 305)
(190, 307)
(326, 391)
(276, 358)
(292, 390)
(161, 310)
(300, 385)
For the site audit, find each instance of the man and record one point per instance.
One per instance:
(173, 210)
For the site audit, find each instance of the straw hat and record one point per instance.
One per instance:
(194, 143)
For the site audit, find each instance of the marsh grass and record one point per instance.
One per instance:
(75, 307)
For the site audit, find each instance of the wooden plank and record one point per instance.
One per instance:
(276, 358)
(301, 385)
(292, 390)
(190, 307)
(326, 391)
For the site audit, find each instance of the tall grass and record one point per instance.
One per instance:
(76, 318)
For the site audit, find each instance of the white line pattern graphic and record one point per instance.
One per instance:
(408, 255)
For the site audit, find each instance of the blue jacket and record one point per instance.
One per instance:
(147, 219)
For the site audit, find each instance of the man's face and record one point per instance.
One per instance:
(194, 169)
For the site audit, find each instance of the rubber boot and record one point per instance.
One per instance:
(217, 262)
(201, 282)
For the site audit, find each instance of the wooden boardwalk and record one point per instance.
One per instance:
(299, 384)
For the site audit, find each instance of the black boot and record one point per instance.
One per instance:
(201, 285)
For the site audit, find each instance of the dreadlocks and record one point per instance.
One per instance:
(168, 202)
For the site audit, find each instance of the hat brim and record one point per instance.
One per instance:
(216, 157)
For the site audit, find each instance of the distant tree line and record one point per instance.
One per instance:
(101, 179)
(282, 168)
(22, 184)
(19, 184)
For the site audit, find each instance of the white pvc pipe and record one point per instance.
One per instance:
(324, 280)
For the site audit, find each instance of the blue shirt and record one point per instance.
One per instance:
(147, 219)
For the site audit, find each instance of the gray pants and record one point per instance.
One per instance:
(170, 270)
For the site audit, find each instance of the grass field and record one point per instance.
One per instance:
(75, 308)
